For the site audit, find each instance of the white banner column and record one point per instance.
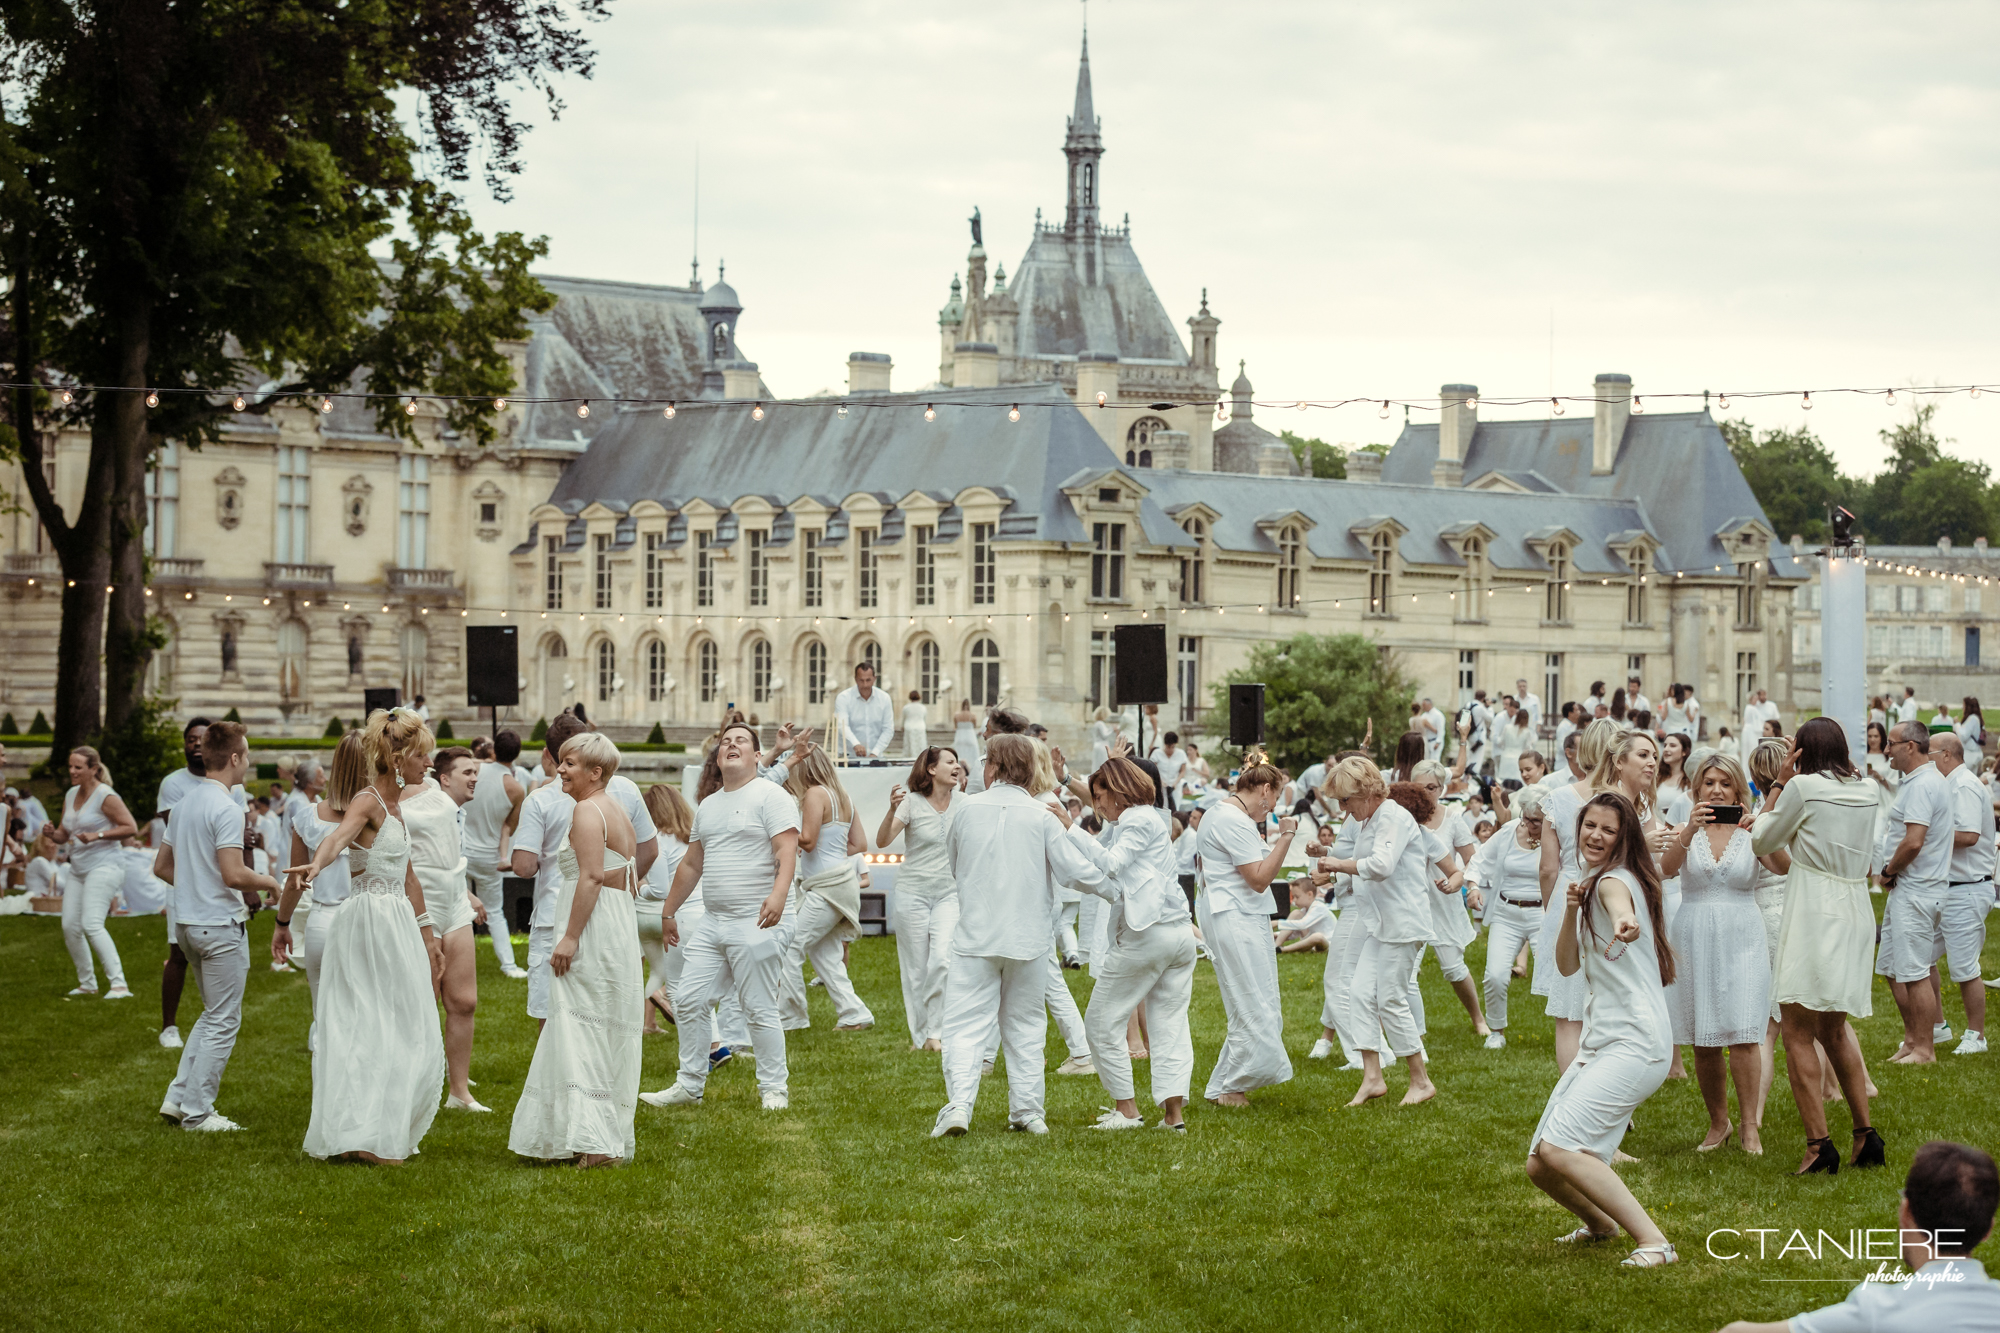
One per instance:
(1843, 659)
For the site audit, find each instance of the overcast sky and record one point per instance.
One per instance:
(1379, 198)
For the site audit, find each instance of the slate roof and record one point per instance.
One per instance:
(717, 452)
(1676, 466)
(1063, 315)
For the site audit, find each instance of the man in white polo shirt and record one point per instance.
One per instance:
(214, 892)
(1962, 923)
(1919, 873)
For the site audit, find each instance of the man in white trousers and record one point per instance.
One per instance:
(1008, 851)
(214, 892)
(743, 851)
(1235, 918)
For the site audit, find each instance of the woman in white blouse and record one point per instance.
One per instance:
(926, 894)
(94, 822)
(1513, 735)
(1392, 864)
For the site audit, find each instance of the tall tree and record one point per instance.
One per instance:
(194, 192)
(1925, 493)
(1793, 475)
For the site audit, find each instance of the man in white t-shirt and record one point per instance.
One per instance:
(1906, 711)
(1961, 934)
(743, 852)
(214, 892)
(173, 787)
(539, 834)
(492, 815)
(1918, 871)
(1531, 701)
(1171, 760)
(1430, 721)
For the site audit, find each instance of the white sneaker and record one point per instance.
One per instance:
(671, 1095)
(82, 991)
(1350, 1067)
(170, 1111)
(215, 1122)
(516, 973)
(452, 1103)
(1076, 1064)
(118, 993)
(985, 1068)
(170, 1037)
(1994, 982)
(1181, 1128)
(1321, 1050)
(1496, 1041)
(279, 966)
(777, 1101)
(1034, 1124)
(1972, 1043)
(952, 1122)
(1112, 1119)
(1941, 1033)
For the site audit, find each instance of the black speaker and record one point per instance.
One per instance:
(492, 665)
(385, 698)
(1141, 657)
(1246, 715)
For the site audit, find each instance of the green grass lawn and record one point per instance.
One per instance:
(843, 1214)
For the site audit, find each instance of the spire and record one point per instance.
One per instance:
(1083, 120)
(1083, 147)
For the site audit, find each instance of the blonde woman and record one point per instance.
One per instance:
(1561, 807)
(1103, 735)
(94, 822)
(926, 909)
(349, 775)
(829, 893)
(583, 1084)
(674, 818)
(1721, 999)
(378, 1058)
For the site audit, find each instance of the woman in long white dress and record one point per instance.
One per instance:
(378, 1057)
(1561, 807)
(926, 909)
(1103, 735)
(430, 810)
(1513, 736)
(583, 1085)
(1608, 936)
(348, 775)
(916, 726)
(1971, 728)
(1721, 998)
(94, 822)
(674, 819)
(965, 736)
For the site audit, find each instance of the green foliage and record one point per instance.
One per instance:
(40, 726)
(232, 716)
(541, 731)
(141, 753)
(1793, 475)
(8, 726)
(444, 732)
(1316, 458)
(1320, 692)
(1925, 493)
(333, 729)
(657, 736)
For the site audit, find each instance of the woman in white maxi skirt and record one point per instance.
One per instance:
(926, 894)
(378, 1057)
(1150, 962)
(1451, 925)
(1608, 935)
(583, 1085)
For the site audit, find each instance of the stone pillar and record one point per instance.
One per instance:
(1097, 373)
(868, 372)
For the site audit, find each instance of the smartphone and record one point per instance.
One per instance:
(1727, 814)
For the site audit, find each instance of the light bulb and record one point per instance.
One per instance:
(1102, 397)
(1637, 405)
(1472, 401)
(410, 408)
(1725, 402)
(68, 397)
(499, 404)
(1805, 400)
(583, 408)
(1013, 414)
(325, 406)
(238, 403)
(1975, 391)
(841, 411)
(1300, 405)
(930, 413)
(1890, 401)
(1557, 402)
(1384, 413)
(669, 411)
(152, 400)
(757, 412)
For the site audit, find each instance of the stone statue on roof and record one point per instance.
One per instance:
(976, 238)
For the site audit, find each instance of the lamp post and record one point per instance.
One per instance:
(1843, 659)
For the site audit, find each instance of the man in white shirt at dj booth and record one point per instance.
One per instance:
(867, 717)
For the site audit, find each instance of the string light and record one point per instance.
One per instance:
(757, 412)
(1384, 413)
(68, 398)
(410, 408)
(1890, 401)
(1014, 413)
(325, 406)
(668, 411)
(583, 408)
(1725, 402)
(238, 403)
(1805, 400)
(1638, 404)
(1557, 404)
(152, 399)
(1101, 398)
(841, 411)
(930, 413)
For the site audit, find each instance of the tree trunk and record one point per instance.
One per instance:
(127, 649)
(85, 558)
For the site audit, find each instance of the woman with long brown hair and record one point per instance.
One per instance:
(1409, 753)
(1611, 934)
(1561, 808)
(828, 893)
(926, 894)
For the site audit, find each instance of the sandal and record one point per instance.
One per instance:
(1651, 1256)
(657, 1000)
(1585, 1236)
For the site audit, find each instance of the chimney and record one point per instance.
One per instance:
(1458, 417)
(1097, 372)
(975, 365)
(868, 372)
(1363, 465)
(739, 380)
(1613, 393)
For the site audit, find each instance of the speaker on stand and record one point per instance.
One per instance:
(492, 669)
(385, 698)
(1246, 715)
(1139, 671)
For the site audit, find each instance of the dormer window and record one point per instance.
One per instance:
(1555, 608)
(1638, 611)
(1381, 557)
(1290, 544)
(1747, 616)
(722, 342)
(1472, 582)
(1107, 561)
(1192, 562)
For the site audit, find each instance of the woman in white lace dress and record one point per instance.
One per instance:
(378, 1058)
(1721, 998)
(583, 1085)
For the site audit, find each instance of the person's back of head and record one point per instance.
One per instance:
(1013, 758)
(1008, 721)
(1952, 1192)
(506, 747)
(561, 729)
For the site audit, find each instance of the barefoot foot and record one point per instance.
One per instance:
(1420, 1092)
(1368, 1092)
(1230, 1099)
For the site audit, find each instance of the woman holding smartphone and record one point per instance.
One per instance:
(1609, 936)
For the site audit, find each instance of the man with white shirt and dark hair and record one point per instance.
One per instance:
(1962, 922)
(214, 892)
(1531, 701)
(176, 785)
(1923, 822)
(1635, 698)
(1906, 711)
(867, 717)
(1171, 760)
(1430, 721)
(1008, 852)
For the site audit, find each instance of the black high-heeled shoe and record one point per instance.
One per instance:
(1873, 1151)
(1826, 1158)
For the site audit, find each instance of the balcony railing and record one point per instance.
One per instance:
(298, 576)
(32, 565)
(177, 569)
(421, 580)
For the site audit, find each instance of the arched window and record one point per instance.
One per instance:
(607, 671)
(656, 671)
(760, 671)
(291, 661)
(1381, 554)
(1145, 458)
(984, 673)
(1472, 581)
(416, 659)
(722, 342)
(1194, 562)
(1089, 182)
(1290, 544)
(1555, 605)
(815, 672)
(708, 665)
(1139, 440)
(870, 652)
(928, 661)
